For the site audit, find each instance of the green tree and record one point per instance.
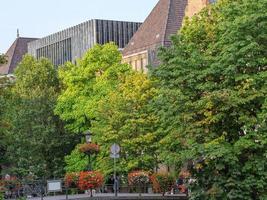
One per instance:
(38, 141)
(76, 161)
(5, 86)
(86, 83)
(125, 117)
(212, 100)
(2, 59)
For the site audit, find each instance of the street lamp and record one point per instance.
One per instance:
(88, 137)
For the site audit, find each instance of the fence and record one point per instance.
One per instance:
(15, 188)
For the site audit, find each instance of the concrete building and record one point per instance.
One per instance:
(165, 20)
(14, 55)
(72, 43)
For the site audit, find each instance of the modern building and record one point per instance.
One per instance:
(14, 54)
(72, 43)
(165, 20)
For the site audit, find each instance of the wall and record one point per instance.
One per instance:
(81, 38)
(195, 6)
(138, 61)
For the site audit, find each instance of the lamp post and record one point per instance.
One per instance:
(88, 139)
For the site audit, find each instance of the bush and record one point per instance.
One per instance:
(138, 178)
(162, 182)
(90, 180)
(71, 179)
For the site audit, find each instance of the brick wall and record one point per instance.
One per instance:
(194, 6)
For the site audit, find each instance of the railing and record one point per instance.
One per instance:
(15, 188)
(30, 189)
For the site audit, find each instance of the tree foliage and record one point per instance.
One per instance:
(212, 100)
(38, 141)
(76, 161)
(5, 86)
(106, 96)
(126, 118)
(86, 83)
(2, 59)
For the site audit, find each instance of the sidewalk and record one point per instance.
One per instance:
(82, 196)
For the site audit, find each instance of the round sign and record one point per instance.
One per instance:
(115, 149)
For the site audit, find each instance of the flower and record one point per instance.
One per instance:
(138, 177)
(90, 148)
(90, 180)
(162, 182)
(71, 179)
(10, 183)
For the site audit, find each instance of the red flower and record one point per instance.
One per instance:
(71, 179)
(90, 180)
(90, 148)
(138, 177)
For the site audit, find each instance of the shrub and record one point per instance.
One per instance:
(138, 178)
(162, 182)
(71, 179)
(90, 180)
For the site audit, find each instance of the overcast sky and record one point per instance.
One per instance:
(38, 18)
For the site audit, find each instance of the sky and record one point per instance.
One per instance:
(39, 18)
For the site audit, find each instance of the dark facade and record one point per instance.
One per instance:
(72, 43)
(14, 55)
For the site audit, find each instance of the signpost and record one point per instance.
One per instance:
(115, 150)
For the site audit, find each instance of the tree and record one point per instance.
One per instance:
(38, 141)
(5, 86)
(86, 83)
(212, 100)
(2, 59)
(126, 118)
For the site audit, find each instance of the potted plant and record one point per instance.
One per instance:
(162, 182)
(2, 189)
(90, 180)
(71, 179)
(139, 178)
(89, 148)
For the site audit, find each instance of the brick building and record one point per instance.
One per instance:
(14, 54)
(165, 20)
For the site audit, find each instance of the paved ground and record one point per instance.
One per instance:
(63, 197)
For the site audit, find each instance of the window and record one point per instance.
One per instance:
(142, 64)
(135, 65)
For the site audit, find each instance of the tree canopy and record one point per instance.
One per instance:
(38, 141)
(86, 83)
(2, 59)
(112, 100)
(126, 118)
(213, 97)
